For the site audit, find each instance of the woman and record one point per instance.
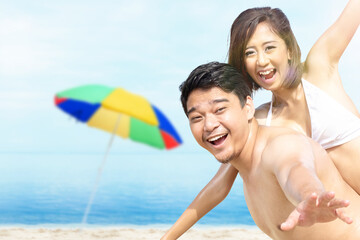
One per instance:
(308, 97)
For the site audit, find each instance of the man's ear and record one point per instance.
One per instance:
(249, 105)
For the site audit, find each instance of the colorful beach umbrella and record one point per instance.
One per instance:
(116, 110)
(121, 113)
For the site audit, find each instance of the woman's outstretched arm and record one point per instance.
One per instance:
(322, 61)
(209, 197)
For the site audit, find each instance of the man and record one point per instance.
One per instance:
(286, 176)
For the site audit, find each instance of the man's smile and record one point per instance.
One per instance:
(217, 140)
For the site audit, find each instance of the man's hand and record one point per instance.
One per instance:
(317, 209)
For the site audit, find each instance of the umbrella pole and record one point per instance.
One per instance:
(100, 170)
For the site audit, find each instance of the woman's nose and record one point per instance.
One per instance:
(262, 59)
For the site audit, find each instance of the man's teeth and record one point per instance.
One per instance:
(216, 138)
(266, 72)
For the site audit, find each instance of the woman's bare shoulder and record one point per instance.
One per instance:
(261, 113)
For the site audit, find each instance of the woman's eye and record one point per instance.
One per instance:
(249, 53)
(269, 48)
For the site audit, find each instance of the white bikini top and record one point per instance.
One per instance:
(331, 123)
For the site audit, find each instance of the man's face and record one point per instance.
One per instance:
(218, 122)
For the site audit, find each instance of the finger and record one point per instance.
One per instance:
(325, 198)
(338, 203)
(343, 216)
(311, 202)
(291, 221)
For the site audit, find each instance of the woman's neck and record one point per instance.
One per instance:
(285, 97)
(290, 109)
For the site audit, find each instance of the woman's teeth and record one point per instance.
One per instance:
(267, 74)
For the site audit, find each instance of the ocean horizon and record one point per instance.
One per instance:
(135, 189)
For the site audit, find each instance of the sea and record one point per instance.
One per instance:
(134, 189)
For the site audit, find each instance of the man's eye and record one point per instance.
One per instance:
(219, 110)
(195, 119)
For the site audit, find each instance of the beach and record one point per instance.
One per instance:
(128, 233)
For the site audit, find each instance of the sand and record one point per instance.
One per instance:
(127, 233)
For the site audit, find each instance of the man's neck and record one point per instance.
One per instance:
(244, 162)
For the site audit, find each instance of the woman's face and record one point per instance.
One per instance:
(266, 58)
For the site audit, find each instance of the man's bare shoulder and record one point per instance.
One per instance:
(283, 145)
(261, 113)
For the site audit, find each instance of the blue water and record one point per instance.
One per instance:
(140, 189)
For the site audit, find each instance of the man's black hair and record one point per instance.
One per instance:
(215, 74)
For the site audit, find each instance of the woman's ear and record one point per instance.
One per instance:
(249, 105)
(289, 54)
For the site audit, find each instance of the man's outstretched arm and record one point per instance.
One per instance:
(295, 171)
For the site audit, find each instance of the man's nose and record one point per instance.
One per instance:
(211, 123)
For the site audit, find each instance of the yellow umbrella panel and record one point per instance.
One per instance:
(128, 127)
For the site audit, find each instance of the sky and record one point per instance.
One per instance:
(146, 47)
